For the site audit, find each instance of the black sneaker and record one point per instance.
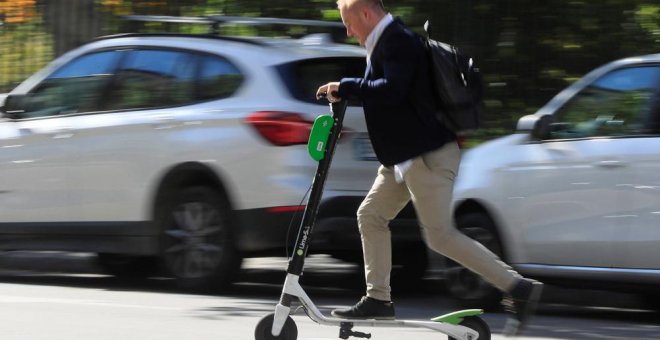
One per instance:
(521, 304)
(367, 308)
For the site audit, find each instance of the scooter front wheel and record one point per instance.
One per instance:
(265, 326)
(478, 325)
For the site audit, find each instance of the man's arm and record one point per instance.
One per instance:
(400, 58)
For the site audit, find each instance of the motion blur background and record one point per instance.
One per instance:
(528, 51)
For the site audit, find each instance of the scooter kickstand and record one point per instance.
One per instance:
(346, 331)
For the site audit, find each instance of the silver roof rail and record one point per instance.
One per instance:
(216, 20)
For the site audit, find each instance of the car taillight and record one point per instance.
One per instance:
(460, 140)
(281, 128)
(286, 208)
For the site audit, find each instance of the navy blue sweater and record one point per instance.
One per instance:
(396, 96)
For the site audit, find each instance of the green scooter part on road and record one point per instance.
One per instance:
(318, 137)
(455, 318)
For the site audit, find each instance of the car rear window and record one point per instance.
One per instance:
(303, 77)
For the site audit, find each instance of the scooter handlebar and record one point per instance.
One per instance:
(324, 95)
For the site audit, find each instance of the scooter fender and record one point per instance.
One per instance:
(455, 318)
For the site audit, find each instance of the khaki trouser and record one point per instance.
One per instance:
(429, 183)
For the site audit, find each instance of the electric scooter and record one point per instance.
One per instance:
(460, 325)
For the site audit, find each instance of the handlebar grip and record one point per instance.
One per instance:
(325, 95)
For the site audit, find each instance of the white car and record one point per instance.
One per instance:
(573, 196)
(188, 149)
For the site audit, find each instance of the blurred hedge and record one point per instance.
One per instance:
(527, 50)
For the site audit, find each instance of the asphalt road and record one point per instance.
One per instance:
(63, 296)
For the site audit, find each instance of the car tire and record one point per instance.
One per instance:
(197, 246)
(469, 288)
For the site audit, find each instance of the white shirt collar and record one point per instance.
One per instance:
(375, 34)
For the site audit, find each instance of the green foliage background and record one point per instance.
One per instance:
(528, 50)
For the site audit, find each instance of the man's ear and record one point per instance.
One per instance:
(365, 14)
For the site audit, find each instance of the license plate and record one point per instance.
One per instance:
(363, 150)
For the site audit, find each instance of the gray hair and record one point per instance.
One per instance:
(350, 3)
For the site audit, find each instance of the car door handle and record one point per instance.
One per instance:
(62, 133)
(163, 122)
(610, 164)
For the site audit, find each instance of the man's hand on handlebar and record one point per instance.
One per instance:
(329, 91)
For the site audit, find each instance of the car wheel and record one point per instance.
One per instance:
(197, 245)
(462, 283)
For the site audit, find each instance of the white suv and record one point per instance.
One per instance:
(189, 149)
(573, 197)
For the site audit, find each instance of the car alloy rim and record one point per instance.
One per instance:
(194, 249)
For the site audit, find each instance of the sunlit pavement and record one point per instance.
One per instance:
(57, 296)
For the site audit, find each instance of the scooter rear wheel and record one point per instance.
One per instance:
(265, 325)
(476, 324)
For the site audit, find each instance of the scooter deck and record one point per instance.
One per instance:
(453, 318)
(444, 324)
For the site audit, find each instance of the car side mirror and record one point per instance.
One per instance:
(539, 127)
(526, 123)
(543, 127)
(14, 105)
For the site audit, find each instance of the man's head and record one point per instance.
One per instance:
(360, 17)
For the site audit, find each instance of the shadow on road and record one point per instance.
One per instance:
(564, 313)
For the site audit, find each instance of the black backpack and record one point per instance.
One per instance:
(457, 85)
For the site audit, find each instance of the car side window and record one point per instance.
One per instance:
(153, 78)
(619, 103)
(74, 87)
(218, 78)
(303, 77)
